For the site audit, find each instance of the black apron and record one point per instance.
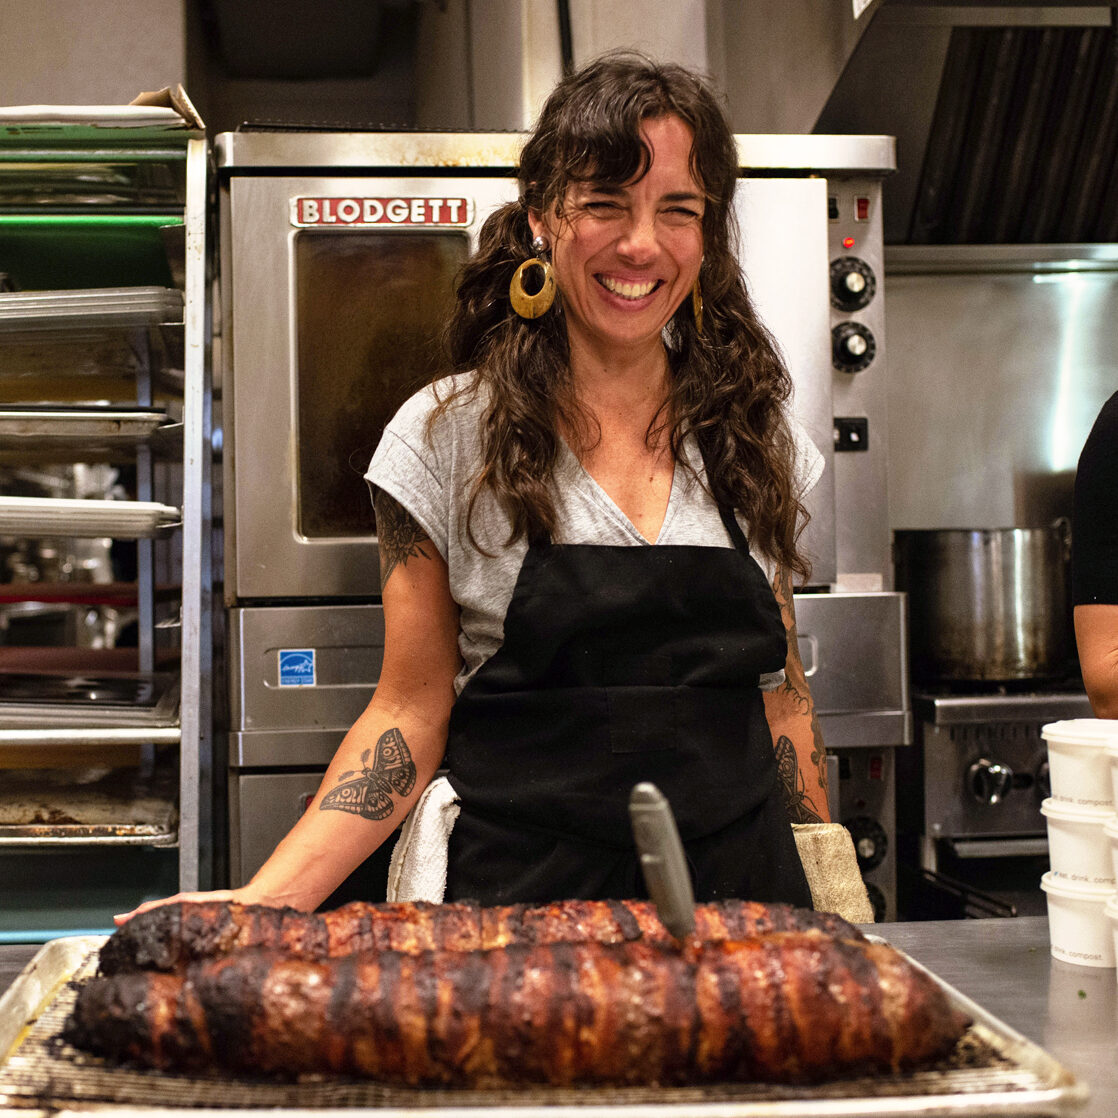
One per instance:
(623, 664)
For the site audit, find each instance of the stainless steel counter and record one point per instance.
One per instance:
(1003, 965)
(1006, 967)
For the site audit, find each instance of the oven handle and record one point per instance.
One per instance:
(972, 902)
(809, 653)
(1028, 847)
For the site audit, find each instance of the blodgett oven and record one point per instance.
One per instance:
(338, 256)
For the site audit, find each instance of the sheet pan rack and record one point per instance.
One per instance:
(104, 362)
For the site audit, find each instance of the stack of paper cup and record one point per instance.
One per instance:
(1082, 841)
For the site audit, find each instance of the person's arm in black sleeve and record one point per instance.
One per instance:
(1095, 562)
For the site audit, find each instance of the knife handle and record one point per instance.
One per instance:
(662, 860)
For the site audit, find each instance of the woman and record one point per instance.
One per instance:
(1095, 561)
(571, 603)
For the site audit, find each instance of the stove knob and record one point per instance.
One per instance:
(871, 843)
(853, 283)
(1043, 780)
(989, 781)
(852, 347)
(878, 901)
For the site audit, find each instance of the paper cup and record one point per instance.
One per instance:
(1112, 755)
(1111, 910)
(1082, 1003)
(1079, 847)
(1110, 828)
(1079, 760)
(1079, 930)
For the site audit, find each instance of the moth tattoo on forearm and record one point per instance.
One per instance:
(369, 793)
(801, 807)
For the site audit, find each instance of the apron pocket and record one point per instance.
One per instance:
(642, 719)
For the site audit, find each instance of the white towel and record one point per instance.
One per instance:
(417, 871)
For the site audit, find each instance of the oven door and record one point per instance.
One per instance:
(334, 292)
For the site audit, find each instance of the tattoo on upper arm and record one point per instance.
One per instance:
(369, 793)
(795, 680)
(399, 535)
(801, 807)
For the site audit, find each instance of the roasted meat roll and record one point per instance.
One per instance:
(782, 1007)
(171, 935)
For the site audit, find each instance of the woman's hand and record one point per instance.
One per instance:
(234, 896)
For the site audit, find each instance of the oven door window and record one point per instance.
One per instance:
(371, 308)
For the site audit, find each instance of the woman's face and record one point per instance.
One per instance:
(625, 257)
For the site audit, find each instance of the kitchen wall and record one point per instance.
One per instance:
(447, 64)
(999, 360)
(89, 52)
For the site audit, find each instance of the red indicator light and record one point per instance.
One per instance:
(877, 768)
(861, 209)
(848, 242)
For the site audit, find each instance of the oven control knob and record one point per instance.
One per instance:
(852, 347)
(871, 843)
(989, 781)
(1043, 780)
(878, 901)
(853, 283)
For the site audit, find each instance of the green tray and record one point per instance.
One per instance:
(61, 252)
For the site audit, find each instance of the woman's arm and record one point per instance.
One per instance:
(1096, 635)
(393, 749)
(800, 756)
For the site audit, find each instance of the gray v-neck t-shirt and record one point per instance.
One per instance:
(431, 474)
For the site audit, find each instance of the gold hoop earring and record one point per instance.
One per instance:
(528, 305)
(697, 306)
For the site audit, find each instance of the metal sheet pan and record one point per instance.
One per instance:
(45, 435)
(61, 836)
(90, 307)
(94, 807)
(48, 516)
(37, 1070)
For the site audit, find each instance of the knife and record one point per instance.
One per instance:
(662, 861)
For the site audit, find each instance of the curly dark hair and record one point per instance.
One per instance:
(728, 386)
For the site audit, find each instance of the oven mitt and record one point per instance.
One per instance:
(831, 868)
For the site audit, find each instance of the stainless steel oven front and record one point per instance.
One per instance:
(336, 287)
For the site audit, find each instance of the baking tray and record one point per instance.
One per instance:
(50, 516)
(34, 433)
(86, 307)
(97, 807)
(30, 422)
(37, 1070)
(87, 700)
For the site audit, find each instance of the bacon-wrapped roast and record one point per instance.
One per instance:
(167, 937)
(783, 1007)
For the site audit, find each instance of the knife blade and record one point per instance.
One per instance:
(662, 860)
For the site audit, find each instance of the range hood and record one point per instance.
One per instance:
(1006, 118)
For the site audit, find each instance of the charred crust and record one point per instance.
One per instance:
(626, 921)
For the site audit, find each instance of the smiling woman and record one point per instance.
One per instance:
(588, 544)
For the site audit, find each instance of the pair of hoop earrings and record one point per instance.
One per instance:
(533, 305)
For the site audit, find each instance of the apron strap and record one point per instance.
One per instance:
(729, 520)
